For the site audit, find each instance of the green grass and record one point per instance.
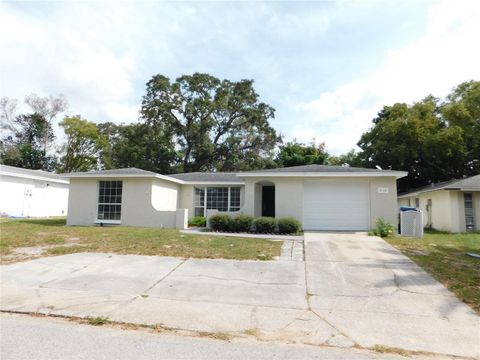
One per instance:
(17, 233)
(444, 256)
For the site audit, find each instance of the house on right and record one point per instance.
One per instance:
(452, 206)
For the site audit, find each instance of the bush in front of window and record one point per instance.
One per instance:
(288, 225)
(242, 223)
(200, 221)
(221, 222)
(264, 225)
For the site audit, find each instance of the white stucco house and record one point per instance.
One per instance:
(452, 206)
(32, 193)
(320, 197)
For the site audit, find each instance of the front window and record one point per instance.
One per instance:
(469, 214)
(109, 200)
(216, 198)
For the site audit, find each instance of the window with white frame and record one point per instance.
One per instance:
(222, 198)
(109, 200)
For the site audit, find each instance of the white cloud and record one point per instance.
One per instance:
(444, 56)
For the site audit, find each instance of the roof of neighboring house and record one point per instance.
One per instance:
(31, 174)
(467, 184)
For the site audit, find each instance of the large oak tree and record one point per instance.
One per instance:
(215, 124)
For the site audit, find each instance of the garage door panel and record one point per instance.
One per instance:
(336, 205)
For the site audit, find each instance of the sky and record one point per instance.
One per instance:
(327, 67)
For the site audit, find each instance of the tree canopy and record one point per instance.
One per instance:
(216, 124)
(433, 140)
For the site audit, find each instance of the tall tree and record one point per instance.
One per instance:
(83, 146)
(48, 107)
(350, 158)
(295, 153)
(24, 147)
(432, 140)
(138, 145)
(216, 124)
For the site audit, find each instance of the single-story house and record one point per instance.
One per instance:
(32, 193)
(452, 206)
(321, 197)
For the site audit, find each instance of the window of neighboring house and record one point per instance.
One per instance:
(469, 215)
(417, 203)
(216, 198)
(409, 202)
(109, 200)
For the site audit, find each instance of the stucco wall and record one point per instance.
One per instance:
(383, 204)
(165, 195)
(141, 197)
(32, 197)
(82, 201)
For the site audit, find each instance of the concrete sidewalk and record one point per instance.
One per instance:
(268, 298)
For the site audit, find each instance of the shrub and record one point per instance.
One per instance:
(264, 225)
(242, 223)
(383, 228)
(200, 221)
(221, 222)
(288, 225)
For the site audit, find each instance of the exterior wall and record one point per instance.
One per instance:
(383, 204)
(32, 198)
(186, 199)
(165, 195)
(448, 209)
(82, 202)
(140, 199)
(289, 197)
(138, 208)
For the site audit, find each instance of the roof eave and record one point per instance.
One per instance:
(119, 176)
(34, 177)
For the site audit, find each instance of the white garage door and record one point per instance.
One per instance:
(336, 205)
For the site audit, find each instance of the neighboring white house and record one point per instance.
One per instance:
(452, 206)
(321, 197)
(32, 193)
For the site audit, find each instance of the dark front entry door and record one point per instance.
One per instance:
(268, 201)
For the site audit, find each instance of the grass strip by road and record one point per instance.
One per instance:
(444, 256)
(56, 238)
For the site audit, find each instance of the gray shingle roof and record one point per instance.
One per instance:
(317, 168)
(208, 176)
(20, 171)
(119, 172)
(470, 183)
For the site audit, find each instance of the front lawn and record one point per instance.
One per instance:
(54, 238)
(444, 255)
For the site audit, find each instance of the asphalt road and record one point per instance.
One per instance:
(23, 337)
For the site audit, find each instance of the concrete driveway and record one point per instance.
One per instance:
(351, 290)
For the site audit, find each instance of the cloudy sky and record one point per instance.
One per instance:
(326, 66)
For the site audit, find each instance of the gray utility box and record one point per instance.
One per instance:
(411, 223)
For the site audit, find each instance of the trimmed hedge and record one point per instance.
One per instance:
(242, 223)
(200, 221)
(264, 225)
(221, 222)
(288, 225)
(261, 225)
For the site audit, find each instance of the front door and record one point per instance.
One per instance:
(268, 201)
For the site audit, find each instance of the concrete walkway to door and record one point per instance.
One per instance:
(372, 294)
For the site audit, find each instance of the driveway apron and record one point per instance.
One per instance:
(373, 294)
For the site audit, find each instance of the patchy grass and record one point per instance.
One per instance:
(390, 350)
(16, 233)
(444, 256)
(97, 321)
